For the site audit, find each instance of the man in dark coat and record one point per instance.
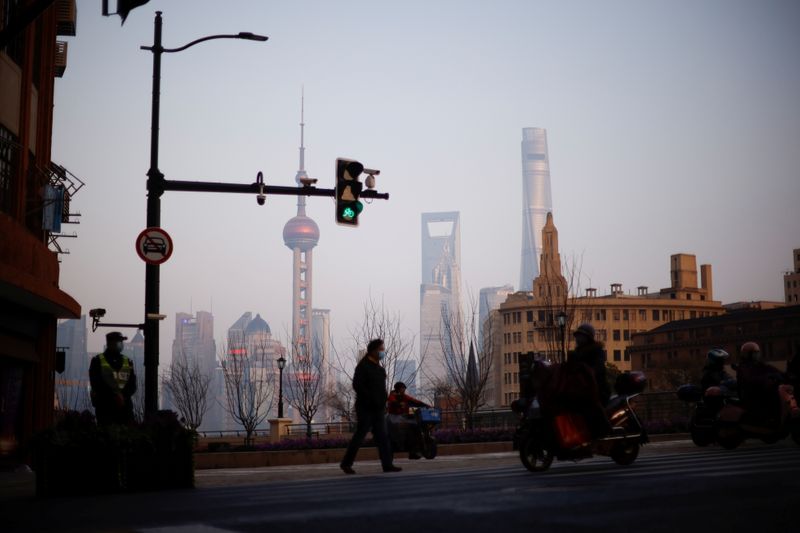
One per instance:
(369, 383)
(113, 383)
(591, 353)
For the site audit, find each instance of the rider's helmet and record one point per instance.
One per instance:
(750, 351)
(585, 329)
(399, 385)
(717, 356)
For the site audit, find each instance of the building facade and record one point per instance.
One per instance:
(791, 280)
(321, 354)
(489, 300)
(440, 292)
(35, 197)
(72, 385)
(528, 321)
(536, 201)
(674, 353)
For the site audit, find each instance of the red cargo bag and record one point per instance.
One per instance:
(572, 430)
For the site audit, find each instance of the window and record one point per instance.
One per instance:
(615, 314)
(601, 335)
(626, 334)
(505, 318)
(516, 358)
(672, 295)
(656, 315)
(530, 336)
(627, 356)
(541, 316)
(692, 314)
(617, 355)
(600, 315)
(530, 316)
(688, 296)
(7, 141)
(642, 314)
(625, 314)
(616, 336)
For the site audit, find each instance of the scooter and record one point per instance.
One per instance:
(724, 419)
(541, 439)
(426, 420)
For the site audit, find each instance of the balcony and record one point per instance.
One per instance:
(66, 15)
(61, 58)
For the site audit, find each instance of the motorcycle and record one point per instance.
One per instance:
(426, 420)
(720, 417)
(541, 439)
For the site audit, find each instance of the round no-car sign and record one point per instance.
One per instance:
(154, 246)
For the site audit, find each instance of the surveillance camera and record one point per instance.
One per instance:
(308, 182)
(372, 171)
(97, 313)
(370, 182)
(261, 199)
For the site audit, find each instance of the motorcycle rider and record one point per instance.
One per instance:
(714, 374)
(758, 382)
(402, 426)
(591, 353)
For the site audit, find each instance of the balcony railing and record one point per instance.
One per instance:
(66, 15)
(61, 58)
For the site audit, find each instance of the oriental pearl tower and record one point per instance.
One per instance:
(301, 235)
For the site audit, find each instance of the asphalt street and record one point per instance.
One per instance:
(671, 487)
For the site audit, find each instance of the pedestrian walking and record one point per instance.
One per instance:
(369, 383)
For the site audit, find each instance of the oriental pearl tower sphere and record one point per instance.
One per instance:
(301, 235)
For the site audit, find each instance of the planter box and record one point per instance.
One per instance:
(330, 455)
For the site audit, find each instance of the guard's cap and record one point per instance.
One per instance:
(114, 336)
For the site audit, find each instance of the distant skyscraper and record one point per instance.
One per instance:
(321, 351)
(301, 235)
(194, 339)
(405, 371)
(536, 201)
(72, 386)
(440, 291)
(489, 300)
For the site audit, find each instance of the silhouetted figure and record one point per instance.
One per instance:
(714, 374)
(113, 383)
(369, 383)
(403, 426)
(758, 382)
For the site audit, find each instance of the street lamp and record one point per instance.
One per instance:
(281, 365)
(155, 188)
(561, 318)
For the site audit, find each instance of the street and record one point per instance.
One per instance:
(673, 486)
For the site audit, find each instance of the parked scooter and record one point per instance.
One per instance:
(426, 420)
(541, 439)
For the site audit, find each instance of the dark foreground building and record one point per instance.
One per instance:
(34, 201)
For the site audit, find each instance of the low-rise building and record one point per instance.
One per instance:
(675, 353)
(791, 281)
(529, 321)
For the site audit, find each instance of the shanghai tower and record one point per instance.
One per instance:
(536, 201)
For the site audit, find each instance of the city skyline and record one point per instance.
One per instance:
(537, 201)
(647, 143)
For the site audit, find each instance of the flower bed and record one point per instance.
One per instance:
(78, 457)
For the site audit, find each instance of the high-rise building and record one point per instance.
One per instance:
(489, 300)
(301, 235)
(405, 370)
(194, 339)
(194, 344)
(321, 352)
(72, 386)
(440, 292)
(791, 280)
(536, 201)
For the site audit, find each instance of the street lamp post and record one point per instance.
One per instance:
(155, 188)
(561, 317)
(281, 365)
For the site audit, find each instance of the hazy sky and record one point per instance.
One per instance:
(673, 126)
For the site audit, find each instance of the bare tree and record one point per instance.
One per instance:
(401, 361)
(340, 398)
(247, 368)
(467, 363)
(188, 385)
(305, 382)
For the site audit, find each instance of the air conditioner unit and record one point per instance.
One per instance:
(61, 58)
(66, 15)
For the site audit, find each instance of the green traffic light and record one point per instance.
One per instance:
(348, 213)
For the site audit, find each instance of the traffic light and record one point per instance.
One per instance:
(347, 190)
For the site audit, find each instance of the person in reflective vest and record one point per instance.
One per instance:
(113, 383)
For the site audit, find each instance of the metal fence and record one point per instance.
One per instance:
(655, 409)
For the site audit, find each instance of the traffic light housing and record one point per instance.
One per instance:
(348, 188)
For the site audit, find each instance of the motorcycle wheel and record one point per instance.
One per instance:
(533, 456)
(429, 448)
(625, 454)
(699, 436)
